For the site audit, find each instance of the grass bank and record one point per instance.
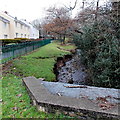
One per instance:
(41, 62)
(16, 102)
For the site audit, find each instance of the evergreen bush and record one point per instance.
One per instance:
(100, 52)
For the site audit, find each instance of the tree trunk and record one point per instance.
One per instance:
(39, 33)
(96, 10)
(64, 39)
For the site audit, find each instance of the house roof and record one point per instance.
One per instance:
(11, 17)
(4, 20)
(22, 23)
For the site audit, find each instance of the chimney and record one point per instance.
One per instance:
(6, 12)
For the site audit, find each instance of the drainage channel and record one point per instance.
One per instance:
(68, 69)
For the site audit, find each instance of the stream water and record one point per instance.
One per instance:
(73, 71)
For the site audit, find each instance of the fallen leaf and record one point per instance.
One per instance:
(103, 99)
(106, 106)
(8, 84)
(19, 95)
(102, 105)
(15, 108)
(110, 104)
(21, 112)
(21, 100)
(25, 110)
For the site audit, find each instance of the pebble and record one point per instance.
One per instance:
(72, 114)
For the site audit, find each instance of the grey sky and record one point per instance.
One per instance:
(33, 9)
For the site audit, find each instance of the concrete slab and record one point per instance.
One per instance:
(92, 93)
(46, 101)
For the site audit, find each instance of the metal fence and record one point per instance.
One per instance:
(10, 52)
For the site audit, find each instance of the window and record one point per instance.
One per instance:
(21, 35)
(16, 35)
(5, 36)
(25, 35)
(16, 24)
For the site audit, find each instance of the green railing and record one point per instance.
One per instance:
(10, 52)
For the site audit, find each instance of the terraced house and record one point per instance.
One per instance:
(11, 27)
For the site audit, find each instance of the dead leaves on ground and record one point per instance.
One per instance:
(103, 103)
(106, 106)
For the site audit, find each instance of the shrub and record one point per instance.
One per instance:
(100, 53)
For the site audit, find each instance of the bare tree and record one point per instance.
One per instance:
(37, 24)
(59, 22)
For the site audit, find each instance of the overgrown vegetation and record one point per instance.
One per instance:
(99, 46)
(15, 99)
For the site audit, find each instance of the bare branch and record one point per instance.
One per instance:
(74, 5)
(71, 8)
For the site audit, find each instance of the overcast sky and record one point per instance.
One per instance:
(32, 9)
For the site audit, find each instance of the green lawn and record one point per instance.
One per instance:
(16, 102)
(0, 96)
(67, 47)
(34, 65)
